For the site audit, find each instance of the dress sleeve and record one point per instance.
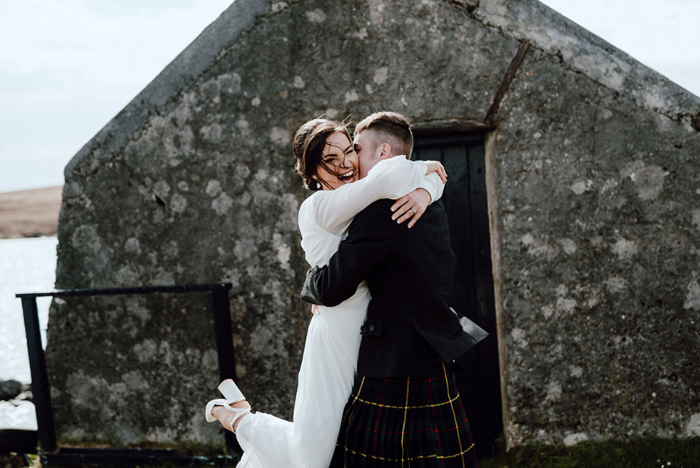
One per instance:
(434, 186)
(391, 178)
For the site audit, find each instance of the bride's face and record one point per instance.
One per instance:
(340, 164)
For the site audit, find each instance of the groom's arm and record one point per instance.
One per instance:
(369, 242)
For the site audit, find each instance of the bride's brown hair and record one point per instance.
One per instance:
(309, 142)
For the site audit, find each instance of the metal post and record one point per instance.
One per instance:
(40, 381)
(224, 346)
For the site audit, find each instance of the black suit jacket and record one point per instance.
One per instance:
(409, 273)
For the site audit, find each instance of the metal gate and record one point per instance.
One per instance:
(49, 451)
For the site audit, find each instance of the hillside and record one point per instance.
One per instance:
(30, 213)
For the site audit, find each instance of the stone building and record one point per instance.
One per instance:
(574, 203)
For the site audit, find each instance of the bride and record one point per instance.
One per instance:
(331, 169)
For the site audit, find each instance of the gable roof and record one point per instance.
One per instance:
(583, 51)
(180, 73)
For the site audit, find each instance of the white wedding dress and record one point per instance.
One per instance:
(333, 340)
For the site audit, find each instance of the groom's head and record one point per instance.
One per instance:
(381, 136)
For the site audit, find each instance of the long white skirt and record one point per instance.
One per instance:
(326, 377)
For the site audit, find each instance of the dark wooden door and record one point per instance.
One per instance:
(472, 294)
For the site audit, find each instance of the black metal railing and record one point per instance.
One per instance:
(48, 449)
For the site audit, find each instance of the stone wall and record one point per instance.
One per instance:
(594, 183)
(593, 199)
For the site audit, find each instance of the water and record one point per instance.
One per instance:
(26, 265)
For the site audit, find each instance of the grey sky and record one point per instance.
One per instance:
(66, 68)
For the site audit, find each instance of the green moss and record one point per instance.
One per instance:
(633, 453)
(190, 449)
(93, 442)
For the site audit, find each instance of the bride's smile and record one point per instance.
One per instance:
(347, 177)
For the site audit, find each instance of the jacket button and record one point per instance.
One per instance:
(371, 328)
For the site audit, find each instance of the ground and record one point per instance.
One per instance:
(633, 453)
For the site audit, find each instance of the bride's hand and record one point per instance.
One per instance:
(411, 206)
(435, 166)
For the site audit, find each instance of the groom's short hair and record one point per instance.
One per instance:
(389, 127)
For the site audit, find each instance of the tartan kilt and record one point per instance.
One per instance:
(416, 421)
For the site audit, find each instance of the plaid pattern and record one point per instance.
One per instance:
(405, 422)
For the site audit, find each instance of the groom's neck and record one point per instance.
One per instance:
(367, 165)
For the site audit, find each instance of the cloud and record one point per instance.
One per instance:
(66, 68)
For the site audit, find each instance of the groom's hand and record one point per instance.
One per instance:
(410, 206)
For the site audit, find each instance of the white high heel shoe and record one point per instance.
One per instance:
(233, 395)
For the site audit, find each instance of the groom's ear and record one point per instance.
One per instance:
(385, 151)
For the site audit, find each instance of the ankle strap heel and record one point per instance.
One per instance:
(230, 391)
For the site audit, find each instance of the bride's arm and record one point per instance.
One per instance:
(390, 178)
(413, 205)
(434, 185)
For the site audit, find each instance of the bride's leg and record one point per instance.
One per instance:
(225, 416)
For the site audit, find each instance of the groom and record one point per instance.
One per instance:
(404, 406)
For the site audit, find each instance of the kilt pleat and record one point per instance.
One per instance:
(416, 421)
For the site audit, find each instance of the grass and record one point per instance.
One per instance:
(192, 449)
(634, 453)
